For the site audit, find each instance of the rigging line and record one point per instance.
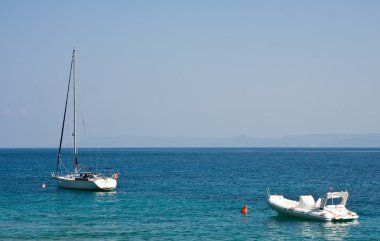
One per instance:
(64, 167)
(105, 160)
(97, 159)
(86, 141)
(64, 115)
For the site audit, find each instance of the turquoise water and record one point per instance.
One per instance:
(190, 194)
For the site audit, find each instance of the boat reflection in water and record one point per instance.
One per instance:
(290, 227)
(337, 230)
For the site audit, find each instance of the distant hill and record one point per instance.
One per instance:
(317, 140)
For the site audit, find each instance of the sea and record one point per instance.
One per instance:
(188, 194)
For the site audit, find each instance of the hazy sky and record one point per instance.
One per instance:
(190, 68)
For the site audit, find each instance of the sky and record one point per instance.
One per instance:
(211, 69)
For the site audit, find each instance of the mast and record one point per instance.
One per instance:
(64, 116)
(74, 131)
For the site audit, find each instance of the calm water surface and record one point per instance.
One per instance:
(191, 194)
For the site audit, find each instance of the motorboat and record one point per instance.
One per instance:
(331, 207)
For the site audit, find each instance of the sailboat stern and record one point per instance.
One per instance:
(106, 183)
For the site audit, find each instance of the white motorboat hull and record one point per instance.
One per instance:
(299, 214)
(105, 184)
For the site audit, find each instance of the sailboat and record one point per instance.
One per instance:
(79, 179)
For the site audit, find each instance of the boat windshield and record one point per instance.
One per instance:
(334, 201)
(334, 198)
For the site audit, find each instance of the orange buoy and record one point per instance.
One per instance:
(244, 209)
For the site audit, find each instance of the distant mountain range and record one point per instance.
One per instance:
(316, 140)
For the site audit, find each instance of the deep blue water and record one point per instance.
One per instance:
(190, 193)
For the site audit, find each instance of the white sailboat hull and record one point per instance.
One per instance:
(105, 184)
